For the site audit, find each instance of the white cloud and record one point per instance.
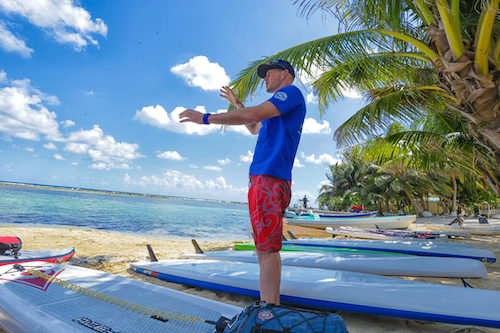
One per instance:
(67, 123)
(225, 161)
(297, 164)
(23, 113)
(102, 149)
(321, 159)
(350, 93)
(60, 19)
(324, 182)
(311, 126)
(171, 178)
(10, 43)
(240, 129)
(298, 197)
(59, 157)
(3, 76)
(194, 166)
(50, 146)
(247, 158)
(171, 155)
(217, 188)
(158, 117)
(110, 166)
(200, 72)
(212, 168)
(30, 149)
(74, 163)
(311, 98)
(77, 148)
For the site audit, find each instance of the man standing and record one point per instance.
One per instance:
(278, 121)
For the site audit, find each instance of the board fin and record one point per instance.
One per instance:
(152, 256)
(292, 236)
(196, 246)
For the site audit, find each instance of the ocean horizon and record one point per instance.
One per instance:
(151, 215)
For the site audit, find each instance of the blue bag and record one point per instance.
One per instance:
(260, 317)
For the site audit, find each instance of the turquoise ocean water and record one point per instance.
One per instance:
(168, 218)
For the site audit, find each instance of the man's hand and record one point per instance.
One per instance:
(229, 94)
(191, 116)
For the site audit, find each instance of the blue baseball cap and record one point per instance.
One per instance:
(280, 64)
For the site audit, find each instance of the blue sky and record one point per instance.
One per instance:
(90, 92)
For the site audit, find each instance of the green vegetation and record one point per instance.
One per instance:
(430, 72)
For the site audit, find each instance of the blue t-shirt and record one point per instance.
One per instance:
(279, 136)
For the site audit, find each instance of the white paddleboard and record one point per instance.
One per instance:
(32, 304)
(363, 263)
(56, 256)
(340, 290)
(386, 234)
(474, 229)
(435, 249)
(392, 242)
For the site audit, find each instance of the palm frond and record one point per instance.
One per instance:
(388, 105)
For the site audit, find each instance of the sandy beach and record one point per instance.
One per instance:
(113, 253)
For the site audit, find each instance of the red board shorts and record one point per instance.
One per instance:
(268, 197)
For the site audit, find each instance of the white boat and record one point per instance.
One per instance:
(363, 263)
(328, 215)
(373, 223)
(52, 298)
(339, 290)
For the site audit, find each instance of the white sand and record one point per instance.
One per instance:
(113, 253)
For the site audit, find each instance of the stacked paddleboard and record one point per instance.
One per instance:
(54, 298)
(339, 290)
(363, 263)
(423, 248)
(386, 234)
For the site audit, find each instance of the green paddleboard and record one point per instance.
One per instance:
(251, 247)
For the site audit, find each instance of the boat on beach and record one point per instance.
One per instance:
(328, 215)
(371, 223)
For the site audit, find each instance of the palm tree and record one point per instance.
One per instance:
(411, 58)
(441, 148)
(347, 181)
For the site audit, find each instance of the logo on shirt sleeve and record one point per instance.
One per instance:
(281, 95)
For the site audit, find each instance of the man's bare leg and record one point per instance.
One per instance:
(270, 276)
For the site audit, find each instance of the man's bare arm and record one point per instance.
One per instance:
(245, 116)
(228, 93)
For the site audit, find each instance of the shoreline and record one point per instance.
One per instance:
(109, 192)
(113, 252)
